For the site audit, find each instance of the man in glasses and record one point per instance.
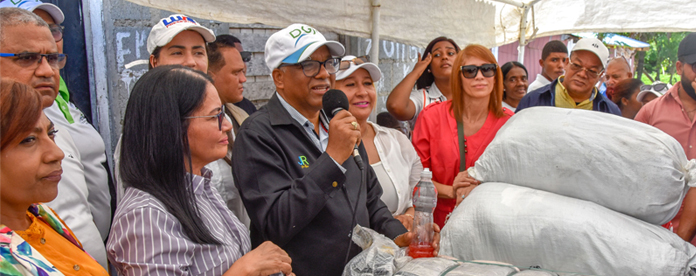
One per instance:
(227, 69)
(618, 69)
(674, 113)
(30, 55)
(245, 103)
(576, 89)
(292, 164)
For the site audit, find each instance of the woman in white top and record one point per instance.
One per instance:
(389, 151)
(431, 78)
(515, 84)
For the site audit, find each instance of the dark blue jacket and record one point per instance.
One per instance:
(545, 96)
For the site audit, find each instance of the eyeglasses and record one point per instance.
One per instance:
(658, 87)
(693, 66)
(56, 60)
(470, 71)
(590, 72)
(220, 116)
(246, 56)
(311, 68)
(56, 31)
(345, 64)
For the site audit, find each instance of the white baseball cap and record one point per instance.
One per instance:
(657, 88)
(295, 44)
(595, 46)
(167, 28)
(31, 5)
(371, 68)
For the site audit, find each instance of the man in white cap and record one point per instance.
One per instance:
(179, 39)
(649, 92)
(83, 199)
(675, 114)
(292, 164)
(576, 89)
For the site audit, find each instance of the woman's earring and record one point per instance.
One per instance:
(428, 70)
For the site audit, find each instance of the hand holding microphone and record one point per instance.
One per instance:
(344, 130)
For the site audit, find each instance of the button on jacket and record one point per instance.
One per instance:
(298, 197)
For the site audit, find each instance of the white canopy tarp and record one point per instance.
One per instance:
(416, 22)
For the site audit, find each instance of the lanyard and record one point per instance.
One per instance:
(462, 147)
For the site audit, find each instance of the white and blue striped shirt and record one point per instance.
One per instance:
(146, 239)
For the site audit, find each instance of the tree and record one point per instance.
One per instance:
(661, 58)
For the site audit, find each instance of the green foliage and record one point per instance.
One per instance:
(660, 61)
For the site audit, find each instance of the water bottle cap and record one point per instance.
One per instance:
(427, 173)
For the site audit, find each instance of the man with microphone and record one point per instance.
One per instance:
(293, 167)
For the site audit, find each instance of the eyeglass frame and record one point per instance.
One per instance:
(59, 29)
(589, 72)
(220, 116)
(303, 64)
(42, 56)
(357, 61)
(479, 68)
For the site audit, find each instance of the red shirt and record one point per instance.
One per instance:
(436, 141)
(668, 114)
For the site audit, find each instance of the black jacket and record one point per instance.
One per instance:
(545, 96)
(296, 195)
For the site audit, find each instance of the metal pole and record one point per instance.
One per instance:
(523, 35)
(374, 51)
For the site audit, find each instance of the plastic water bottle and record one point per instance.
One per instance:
(424, 202)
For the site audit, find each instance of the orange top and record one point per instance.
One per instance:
(64, 255)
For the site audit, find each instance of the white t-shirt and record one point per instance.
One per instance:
(424, 97)
(72, 204)
(539, 82)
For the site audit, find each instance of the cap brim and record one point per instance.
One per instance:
(371, 68)
(642, 94)
(690, 59)
(52, 10)
(335, 49)
(206, 33)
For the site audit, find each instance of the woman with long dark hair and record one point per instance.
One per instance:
(515, 84)
(460, 129)
(431, 77)
(170, 221)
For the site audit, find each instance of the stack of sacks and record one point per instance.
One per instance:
(576, 156)
(533, 228)
(624, 165)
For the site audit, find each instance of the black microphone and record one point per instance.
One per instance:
(334, 101)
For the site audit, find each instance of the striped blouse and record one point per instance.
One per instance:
(145, 239)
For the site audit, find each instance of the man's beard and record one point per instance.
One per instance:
(688, 88)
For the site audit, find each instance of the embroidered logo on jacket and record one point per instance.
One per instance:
(303, 162)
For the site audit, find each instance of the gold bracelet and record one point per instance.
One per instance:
(409, 215)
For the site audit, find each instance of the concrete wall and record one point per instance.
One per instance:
(126, 27)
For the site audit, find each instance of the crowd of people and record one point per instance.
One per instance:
(205, 184)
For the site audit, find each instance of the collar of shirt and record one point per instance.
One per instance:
(435, 92)
(563, 99)
(199, 182)
(323, 140)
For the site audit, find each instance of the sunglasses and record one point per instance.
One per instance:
(345, 64)
(56, 60)
(470, 71)
(246, 56)
(56, 31)
(311, 68)
(658, 87)
(220, 116)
